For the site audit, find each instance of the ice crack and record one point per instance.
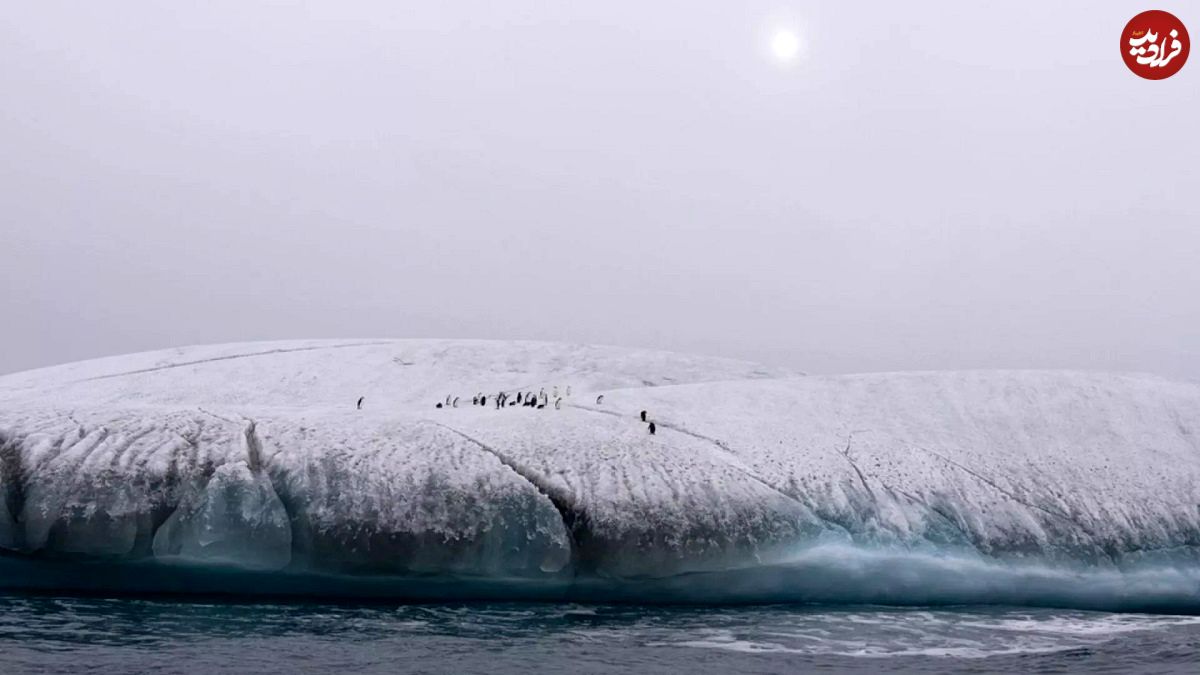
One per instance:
(574, 519)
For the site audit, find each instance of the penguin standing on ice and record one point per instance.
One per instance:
(518, 397)
(475, 400)
(455, 404)
(558, 404)
(360, 400)
(600, 399)
(483, 401)
(438, 406)
(652, 427)
(643, 415)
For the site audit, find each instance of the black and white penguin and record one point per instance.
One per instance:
(518, 397)
(558, 404)
(643, 415)
(455, 404)
(360, 400)
(600, 399)
(474, 400)
(652, 427)
(483, 401)
(438, 406)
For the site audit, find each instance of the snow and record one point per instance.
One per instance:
(254, 456)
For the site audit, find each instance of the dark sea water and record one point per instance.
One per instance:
(47, 634)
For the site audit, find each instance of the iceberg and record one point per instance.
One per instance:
(249, 468)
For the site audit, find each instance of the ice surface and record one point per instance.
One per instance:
(255, 457)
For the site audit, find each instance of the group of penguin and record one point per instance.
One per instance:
(524, 399)
(651, 427)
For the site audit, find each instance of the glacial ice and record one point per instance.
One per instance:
(760, 483)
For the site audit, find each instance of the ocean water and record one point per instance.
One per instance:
(52, 634)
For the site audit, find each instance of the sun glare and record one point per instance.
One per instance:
(785, 45)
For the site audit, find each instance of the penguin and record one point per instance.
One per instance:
(474, 400)
(483, 401)
(518, 397)
(600, 399)
(541, 405)
(643, 415)
(438, 406)
(360, 400)
(511, 403)
(455, 404)
(652, 428)
(447, 399)
(558, 404)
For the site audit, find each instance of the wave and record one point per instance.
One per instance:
(828, 574)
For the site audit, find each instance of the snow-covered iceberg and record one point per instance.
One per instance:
(250, 468)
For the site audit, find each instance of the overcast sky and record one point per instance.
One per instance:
(929, 185)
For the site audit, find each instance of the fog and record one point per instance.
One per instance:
(927, 186)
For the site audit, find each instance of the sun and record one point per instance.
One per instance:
(785, 45)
